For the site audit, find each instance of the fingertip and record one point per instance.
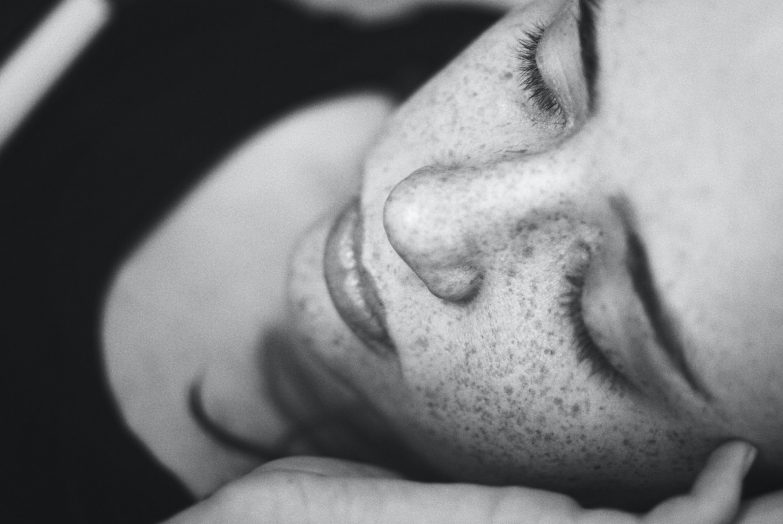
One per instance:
(750, 457)
(731, 457)
(734, 457)
(718, 488)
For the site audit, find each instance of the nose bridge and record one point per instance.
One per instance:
(443, 221)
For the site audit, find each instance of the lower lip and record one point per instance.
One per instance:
(351, 288)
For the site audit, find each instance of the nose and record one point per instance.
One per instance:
(447, 222)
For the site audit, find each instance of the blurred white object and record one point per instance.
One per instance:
(44, 56)
(370, 11)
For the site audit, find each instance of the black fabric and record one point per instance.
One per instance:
(166, 90)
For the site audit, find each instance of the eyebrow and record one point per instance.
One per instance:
(587, 41)
(665, 327)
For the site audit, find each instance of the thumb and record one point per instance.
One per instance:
(715, 497)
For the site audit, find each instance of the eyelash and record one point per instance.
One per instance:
(586, 348)
(532, 81)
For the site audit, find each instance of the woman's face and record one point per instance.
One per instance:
(563, 285)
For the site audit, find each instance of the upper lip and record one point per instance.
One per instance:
(351, 287)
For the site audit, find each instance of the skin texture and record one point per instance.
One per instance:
(477, 207)
(313, 489)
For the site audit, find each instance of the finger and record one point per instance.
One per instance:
(284, 496)
(326, 467)
(318, 499)
(715, 496)
(767, 509)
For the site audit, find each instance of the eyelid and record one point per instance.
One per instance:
(586, 347)
(559, 59)
(619, 324)
(539, 93)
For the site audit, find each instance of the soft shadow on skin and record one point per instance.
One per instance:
(320, 429)
(317, 428)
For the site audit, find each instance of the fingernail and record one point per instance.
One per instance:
(747, 460)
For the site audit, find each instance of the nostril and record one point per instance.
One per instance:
(450, 223)
(460, 284)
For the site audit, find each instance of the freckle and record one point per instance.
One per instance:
(509, 390)
(506, 76)
(558, 401)
(422, 342)
(575, 409)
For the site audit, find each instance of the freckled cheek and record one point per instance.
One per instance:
(506, 345)
(468, 373)
(506, 383)
(493, 392)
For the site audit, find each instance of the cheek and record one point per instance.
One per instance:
(493, 393)
(496, 386)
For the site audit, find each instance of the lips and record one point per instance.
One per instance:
(351, 287)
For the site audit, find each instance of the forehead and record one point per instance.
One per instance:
(691, 120)
(719, 54)
(690, 125)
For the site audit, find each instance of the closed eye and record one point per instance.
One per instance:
(587, 350)
(532, 81)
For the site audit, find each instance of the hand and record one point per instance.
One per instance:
(763, 510)
(318, 490)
